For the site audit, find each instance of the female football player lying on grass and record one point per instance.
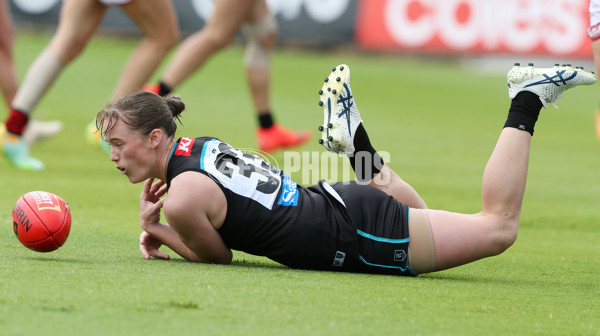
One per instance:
(220, 198)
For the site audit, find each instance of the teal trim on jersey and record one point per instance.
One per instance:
(203, 153)
(173, 151)
(377, 265)
(383, 240)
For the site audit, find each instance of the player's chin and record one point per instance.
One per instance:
(136, 179)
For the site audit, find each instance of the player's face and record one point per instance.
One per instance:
(130, 152)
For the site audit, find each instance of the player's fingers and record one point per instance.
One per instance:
(158, 205)
(147, 186)
(144, 251)
(160, 255)
(156, 186)
(161, 191)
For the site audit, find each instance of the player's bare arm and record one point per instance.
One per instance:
(156, 234)
(195, 209)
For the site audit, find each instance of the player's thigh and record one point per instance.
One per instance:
(259, 10)
(156, 18)
(78, 21)
(228, 17)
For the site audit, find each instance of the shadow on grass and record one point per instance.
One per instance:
(56, 259)
(258, 264)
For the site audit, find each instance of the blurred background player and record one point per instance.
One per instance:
(261, 34)
(594, 34)
(36, 130)
(78, 21)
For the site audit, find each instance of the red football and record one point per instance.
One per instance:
(41, 221)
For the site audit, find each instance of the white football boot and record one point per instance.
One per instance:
(341, 116)
(38, 130)
(547, 83)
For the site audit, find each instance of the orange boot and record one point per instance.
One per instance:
(153, 87)
(276, 137)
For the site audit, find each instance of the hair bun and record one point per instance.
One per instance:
(175, 105)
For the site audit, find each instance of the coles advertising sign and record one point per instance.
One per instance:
(537, 27)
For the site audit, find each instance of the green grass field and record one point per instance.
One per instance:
(439, 122)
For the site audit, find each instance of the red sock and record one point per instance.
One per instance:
(16, 122)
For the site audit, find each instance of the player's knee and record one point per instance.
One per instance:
(261, 38)
(171, 38)
(166, 40)
(216, 37)
(67, 49)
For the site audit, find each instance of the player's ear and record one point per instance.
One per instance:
(155, 137)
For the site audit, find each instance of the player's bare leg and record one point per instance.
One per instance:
(461, 238)
(453, 239)
(36, 130)
(78, 21)
(158, 22)
(8, 75)
(261, 36)
(218, 33)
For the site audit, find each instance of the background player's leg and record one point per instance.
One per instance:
(199, 47)
(158, 21)
(79, 19)
(35, 130)
(261, 36)
(8, 74)
(261, 33)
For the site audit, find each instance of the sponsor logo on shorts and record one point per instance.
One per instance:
(184, 148)
(338, 261)
(399, 255)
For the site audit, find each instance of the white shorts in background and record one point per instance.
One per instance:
(594, 29)
(115, 2)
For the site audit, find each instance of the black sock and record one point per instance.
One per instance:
(265, 120)
(524, 111)
(365, 161)
(164, 89)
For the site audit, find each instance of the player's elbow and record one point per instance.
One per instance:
(505, 233)
(221, 259)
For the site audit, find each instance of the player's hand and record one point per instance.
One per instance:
(151, 202)
(149, 247)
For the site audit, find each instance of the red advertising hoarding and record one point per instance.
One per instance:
(533, 27)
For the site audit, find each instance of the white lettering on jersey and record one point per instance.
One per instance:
(244, 174)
